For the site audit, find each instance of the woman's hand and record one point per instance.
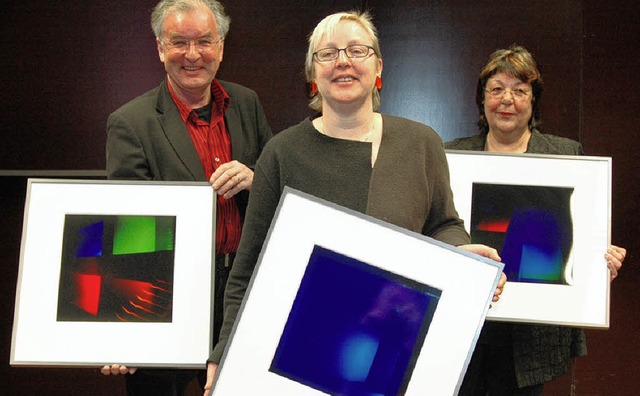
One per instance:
(500, 287)
(488, 252)
(212, 368)
(615, 256)
(482, 250)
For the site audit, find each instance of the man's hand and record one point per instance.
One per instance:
(116, 369)
(231, 178)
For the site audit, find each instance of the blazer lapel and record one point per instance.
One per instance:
(177, 134)
(537, 144)
(234, 126)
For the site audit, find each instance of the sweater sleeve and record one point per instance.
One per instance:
(263, 201)
(443, 222)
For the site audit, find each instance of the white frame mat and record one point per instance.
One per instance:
(183, 341)
(584, 302)
(303, 222)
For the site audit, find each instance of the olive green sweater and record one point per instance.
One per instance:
(407, 187)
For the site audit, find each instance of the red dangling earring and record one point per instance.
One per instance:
(314, 88)
(379, 83)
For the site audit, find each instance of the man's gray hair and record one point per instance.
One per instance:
(166, 6)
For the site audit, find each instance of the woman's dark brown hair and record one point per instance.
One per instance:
(517, 62)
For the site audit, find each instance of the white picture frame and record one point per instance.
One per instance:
(278, 309)
(82, 243)
(580, 297)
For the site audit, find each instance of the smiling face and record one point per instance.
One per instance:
(347, 81)
(190, 73)
(507, 114)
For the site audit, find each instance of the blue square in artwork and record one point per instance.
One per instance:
(354, 329)
(530, 226)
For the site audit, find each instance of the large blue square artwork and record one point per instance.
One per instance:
(530, 226)
(354, 329)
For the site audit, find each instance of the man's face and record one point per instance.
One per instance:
(191, 50)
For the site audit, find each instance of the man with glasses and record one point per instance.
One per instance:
(192, 127)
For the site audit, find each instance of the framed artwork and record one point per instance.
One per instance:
(341, 303)
(549, 218)
(115, 272)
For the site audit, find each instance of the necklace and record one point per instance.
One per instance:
(367, 137)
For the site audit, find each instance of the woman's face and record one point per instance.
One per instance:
(347, 80)
(510, 110)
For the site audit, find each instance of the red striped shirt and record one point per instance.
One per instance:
(213, 144)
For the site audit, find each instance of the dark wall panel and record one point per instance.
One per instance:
(611, 124)
(433, 52)
(67, 65)
(266, 49)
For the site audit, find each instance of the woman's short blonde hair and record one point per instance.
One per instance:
(327, 26)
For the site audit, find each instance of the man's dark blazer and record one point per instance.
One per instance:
(147, 139)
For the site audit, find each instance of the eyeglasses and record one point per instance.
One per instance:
(354, 51)
(182, 46)
(499, 92)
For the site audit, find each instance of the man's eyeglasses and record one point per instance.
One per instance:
(499, 92)
(182, 46)
(354, 51)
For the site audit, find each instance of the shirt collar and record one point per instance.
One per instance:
(220, 103)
